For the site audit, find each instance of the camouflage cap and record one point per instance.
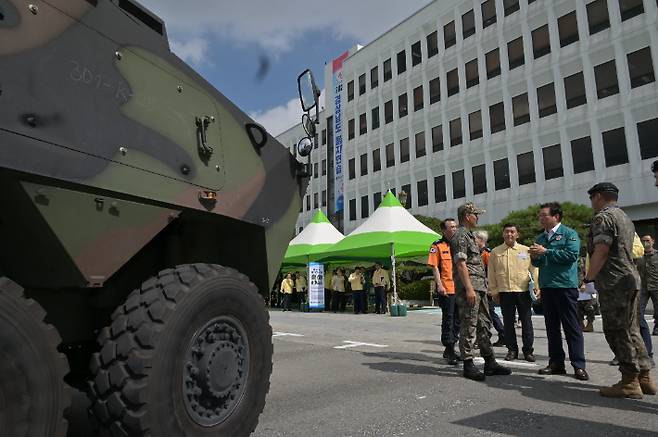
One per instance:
(469, 208)
(603, 187)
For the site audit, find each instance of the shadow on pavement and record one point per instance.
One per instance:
(522, 423)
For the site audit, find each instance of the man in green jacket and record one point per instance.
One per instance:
(555, 252)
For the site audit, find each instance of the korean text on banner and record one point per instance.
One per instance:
(338, 129)
(316, 286)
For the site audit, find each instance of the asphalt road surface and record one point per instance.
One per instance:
(375, 375)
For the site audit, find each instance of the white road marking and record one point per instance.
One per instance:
(480, 360)
(351, 344)
(286, 334)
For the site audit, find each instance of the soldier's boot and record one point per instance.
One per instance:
(472, 372)
(491, 367)
(647, 384)
(628, 387)
(589, 327)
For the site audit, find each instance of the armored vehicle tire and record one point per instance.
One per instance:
(33, 394)
(188, 354)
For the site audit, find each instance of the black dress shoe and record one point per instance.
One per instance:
(553, 370)
(581, 374)
(499, 343)
(529, 357)
(511, 355)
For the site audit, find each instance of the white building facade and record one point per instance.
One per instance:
(506, 103)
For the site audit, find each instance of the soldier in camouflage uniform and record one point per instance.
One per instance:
(610, 245)
(471, 297)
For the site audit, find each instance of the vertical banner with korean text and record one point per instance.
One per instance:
(338, 130)
(316, 286)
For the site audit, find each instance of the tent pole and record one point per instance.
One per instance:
(395, 288)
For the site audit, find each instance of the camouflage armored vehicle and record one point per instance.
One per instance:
(142, 214)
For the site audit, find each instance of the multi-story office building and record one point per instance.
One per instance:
(503, 102)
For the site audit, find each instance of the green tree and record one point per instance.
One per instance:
(574, 215)
(434, 223)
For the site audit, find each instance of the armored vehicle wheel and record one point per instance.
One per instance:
(188, 354)
(33, 394)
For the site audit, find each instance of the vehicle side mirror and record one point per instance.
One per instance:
(309, 93)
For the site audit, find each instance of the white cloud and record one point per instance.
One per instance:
(281, 118)
(192, 50)
(276, 24)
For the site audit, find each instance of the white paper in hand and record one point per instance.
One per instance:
(589, 288)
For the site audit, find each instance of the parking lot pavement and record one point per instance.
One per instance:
(375, 375)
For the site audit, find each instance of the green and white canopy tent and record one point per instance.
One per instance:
(318, 236)
(391, 231)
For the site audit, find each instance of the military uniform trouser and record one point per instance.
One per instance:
(621, 327)
(475, 325)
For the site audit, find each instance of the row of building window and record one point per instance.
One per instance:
(614, 150)
(640, 68)
(597, 18)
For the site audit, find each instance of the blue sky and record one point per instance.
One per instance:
(226, 41)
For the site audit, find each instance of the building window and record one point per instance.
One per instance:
(324, 136)
(404, 150)
(316, 204)
(362, 84)
(630, 8)
(350, 129)
(418, 98)
(407, 189)
(510, 6)
(475, 125)
(374, 117)
(388, 72)
(435, 90)
(458, 184)
(376, 160)
(455, 132)
(363, 124)
(364, 207)
(324, 197)
(501, 174)
(640, 67)
(374, 77)
(440, 189)
(472, 77)
(520, 109)
(515, 53)
(525, 164)
(552, 162)
(390, 155)
(352, 210)
(315, 170)
(402, 106)
(308, 202)
(416, 55)
(497, 117)
(421, 188)
(647, 131)
(432, 44)
(364, 164)
(420, 144)
(606, 79)
(614, 147)
(493, 63)
(449, 35)
(541, 43)
(388, 112)
(324, 167)
(488, 13)
(299, 231)
(453, 82)
(350, 90)
(402, 62)
(351, 165)
(574, 89)
(568, 28)
(479, 179)
(376, 199)
(546, 100)
(437, 139)
(581, 155)
(468, 24)
(597, 16)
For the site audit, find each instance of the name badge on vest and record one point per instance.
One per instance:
(558, 238)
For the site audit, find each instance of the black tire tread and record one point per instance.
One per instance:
(121, 369)
(50, 333)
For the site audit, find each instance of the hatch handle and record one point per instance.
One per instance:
(202, 124)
